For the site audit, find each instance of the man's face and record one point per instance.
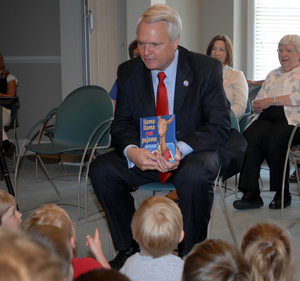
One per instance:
(156, 49)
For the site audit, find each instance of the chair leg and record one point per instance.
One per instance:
(37, 165)
(49, 177)
(110, 248)
(236, 188)
(227, 212)
(293, 223)
(86, 194)
(297, 175)
(209, 229)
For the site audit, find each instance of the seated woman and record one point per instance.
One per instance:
(277, 111)
(7, 89)
(234, 81)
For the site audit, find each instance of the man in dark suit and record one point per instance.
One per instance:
(196, 96)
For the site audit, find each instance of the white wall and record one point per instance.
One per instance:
(190, 13)
(226, 17)
(134, 10)
(71, 45)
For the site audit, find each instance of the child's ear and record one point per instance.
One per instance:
(72, 241)
(181, 236)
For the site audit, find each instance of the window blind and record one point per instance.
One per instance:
(273, 20)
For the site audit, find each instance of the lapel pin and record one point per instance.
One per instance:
(185, 83)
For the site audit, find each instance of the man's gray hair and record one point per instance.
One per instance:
(161, 12)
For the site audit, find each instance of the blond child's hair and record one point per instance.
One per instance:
(56, 242)
(267, 248)
(22, 259)
(6, 201)
(157, 226)
(53, 215)
(216, 260)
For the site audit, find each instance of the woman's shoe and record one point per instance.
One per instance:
(276, 202)
(8, 146)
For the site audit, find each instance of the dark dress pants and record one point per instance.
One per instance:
(194, 179)
(267, 140)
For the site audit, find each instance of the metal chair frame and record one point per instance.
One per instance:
(14, 123)
(294, 155)
(95, 138)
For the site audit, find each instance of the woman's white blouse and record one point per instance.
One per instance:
(291, 87)
(236, 89)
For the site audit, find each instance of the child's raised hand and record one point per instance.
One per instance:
(94, 245)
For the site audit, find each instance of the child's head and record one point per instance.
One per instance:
(22, 259)
(56, 242)
(53, 215)
(102, 274)
(9, 216)
(267, 248)
(157, 226)
(215, 260)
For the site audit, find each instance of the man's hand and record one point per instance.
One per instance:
(140, 157)
(165, 166)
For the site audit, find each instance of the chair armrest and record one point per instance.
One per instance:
(50, 113)
(42, 121)
(107, 123)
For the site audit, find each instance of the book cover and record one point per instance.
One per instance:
(158, 135)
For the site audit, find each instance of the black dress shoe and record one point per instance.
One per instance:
(276, 202)
(121, 257)
(248, 201)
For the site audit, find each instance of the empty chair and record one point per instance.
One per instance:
(82, 120)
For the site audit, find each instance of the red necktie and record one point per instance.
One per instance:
(162, 109)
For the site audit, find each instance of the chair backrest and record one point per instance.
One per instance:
(234, 121)
(253, 91)
(248, 108)
(14, 113)
(80, 113)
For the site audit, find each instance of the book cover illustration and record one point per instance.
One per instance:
(158, 135)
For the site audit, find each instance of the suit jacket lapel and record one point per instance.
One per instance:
(184, 79)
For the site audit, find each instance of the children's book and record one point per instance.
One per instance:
(158, 135)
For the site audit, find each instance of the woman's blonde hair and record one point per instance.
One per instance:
(228, 46)
(6, 201)
(53, 215)
(216, 260)
(267, 248)
(157, 226)
(4, 71)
